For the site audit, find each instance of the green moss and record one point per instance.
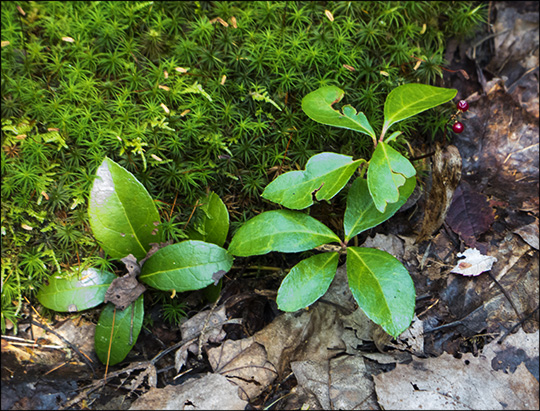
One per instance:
(189, 96)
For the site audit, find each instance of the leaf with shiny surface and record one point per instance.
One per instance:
(189, 265)
(410, 99)
(280, 230)
(122, 215)
(325, 175)
(388, 170)
(382, 287)
(318, 106)
(307, 281)
(212, 221)
(124, 330)
(361, 213)
(78, 292)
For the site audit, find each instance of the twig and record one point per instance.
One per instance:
(511, 330)
(505, 294)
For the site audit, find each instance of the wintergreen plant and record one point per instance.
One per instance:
(378, 281)
(90, 80)
(126, 223)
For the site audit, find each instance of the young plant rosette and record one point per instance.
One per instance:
(380, 284)
(125, 221)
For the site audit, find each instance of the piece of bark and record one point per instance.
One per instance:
(446, 174)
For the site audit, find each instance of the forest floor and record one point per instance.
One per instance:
(474, 339)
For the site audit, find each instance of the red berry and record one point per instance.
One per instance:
(458, 127)
(463, 106)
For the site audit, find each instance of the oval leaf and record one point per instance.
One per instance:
(78, 292)
(318, 106)
(189, 265)
(382, 287)
(410, 99)
(211, 221)
(307, 281)
(361, 213)
(388, 170)
(325, 175)
(280, 230)
(122, 214)
(123, 328)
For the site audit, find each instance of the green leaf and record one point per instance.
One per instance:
(318, 106)
(325, 175)
(120, 346)
(189, 265)
(280, 230)
(410, 99)
(307, 281)
(382, 287)
(388, 170)
(211, 221)
(361, 213)
(78, 292)
(122, 214)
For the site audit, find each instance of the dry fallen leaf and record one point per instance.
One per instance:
(474, 263)
(476, 383)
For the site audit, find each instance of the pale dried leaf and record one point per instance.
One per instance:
(470, 382)
(474, 263)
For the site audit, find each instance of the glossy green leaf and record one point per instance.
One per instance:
(122, 332)
(410, 99)
(361, 213)
(211, 221)
(122, 214)
(318, 106)
(77, 292)
(388, 170)
(325, 175)
(280, 230)
(307, 281)
(185, 266)
(382, 287)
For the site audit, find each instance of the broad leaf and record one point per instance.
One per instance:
(189, 265)
(78, 292)
(388, 170)
(361, 213)
(382, 287)
(325, 175)
(211, 221)
(122, 332)
(123, 217)
(410, 99)
(280, 230)
(307, 281)
(318, 106)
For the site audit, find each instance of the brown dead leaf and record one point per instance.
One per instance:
(341, 383)
(470, 214)
(529, 233)
(211, 392)
(446, 174)
(449, 383)
(206, 325)
(125, 290)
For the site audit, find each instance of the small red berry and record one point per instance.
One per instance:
(458, 127)
(463, 106)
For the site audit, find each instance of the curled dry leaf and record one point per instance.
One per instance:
(125, 290)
